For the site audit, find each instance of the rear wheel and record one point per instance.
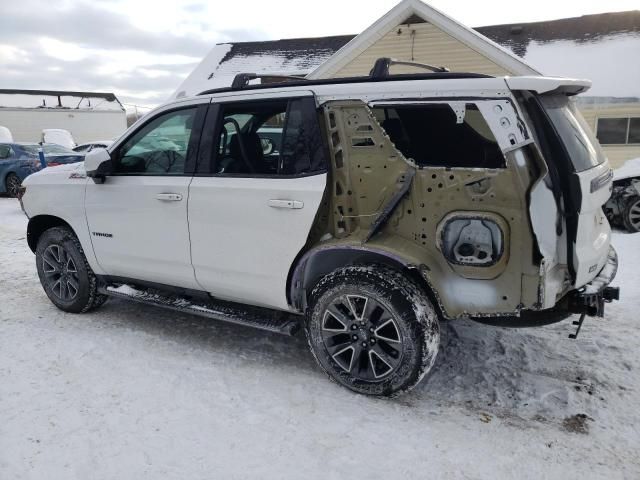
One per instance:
(64, 272)
(12, 185)
(631, 214)
(372, 330)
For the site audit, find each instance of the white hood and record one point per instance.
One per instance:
(630, 169)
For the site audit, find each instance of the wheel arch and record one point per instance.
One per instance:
(41, 223)
(320, 261)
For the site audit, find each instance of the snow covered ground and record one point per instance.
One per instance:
(132, 392)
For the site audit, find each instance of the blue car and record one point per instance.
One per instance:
(19, 160)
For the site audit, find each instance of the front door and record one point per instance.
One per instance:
(138, 216)
(253, 204)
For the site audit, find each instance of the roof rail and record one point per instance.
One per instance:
(241, 80)
(379, 73)
(381, 67)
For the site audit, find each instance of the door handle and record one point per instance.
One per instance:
(275, 203)
(169, 197)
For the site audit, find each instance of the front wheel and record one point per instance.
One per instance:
(631, 214)
(64, 272)
(372, 330)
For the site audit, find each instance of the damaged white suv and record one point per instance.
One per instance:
(375, 208)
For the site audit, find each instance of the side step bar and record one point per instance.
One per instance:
(262, 318)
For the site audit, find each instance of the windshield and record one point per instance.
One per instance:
(31, 149)
(53, 148)
(582, 146)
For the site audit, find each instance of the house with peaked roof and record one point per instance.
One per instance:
(602, 48)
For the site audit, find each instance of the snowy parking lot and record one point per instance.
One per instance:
(134, 392)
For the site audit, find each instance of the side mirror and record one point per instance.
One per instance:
(97, 164)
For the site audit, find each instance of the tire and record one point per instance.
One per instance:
(372, 330)
(64, 272)
(12, 185)
(631, 214)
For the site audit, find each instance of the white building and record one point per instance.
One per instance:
(88, 116)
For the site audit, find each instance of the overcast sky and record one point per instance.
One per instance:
(142, 49)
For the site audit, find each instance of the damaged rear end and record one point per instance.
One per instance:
(581, 181)
(493, 197)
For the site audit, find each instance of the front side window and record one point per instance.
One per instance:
(272, 138)
(431, 135)
(158, 148)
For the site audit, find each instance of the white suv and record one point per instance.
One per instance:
(365, 210)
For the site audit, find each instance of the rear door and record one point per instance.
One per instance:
(138, 216)
(253, 202)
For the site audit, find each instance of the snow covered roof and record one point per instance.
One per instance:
(602, 48)
(293, 56)
(55, 99)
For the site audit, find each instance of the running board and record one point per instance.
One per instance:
(262, 318)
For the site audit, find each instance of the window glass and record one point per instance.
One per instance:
(5, 151)
(612, 130)
(269, 138)
(302, 149)
(82, 148)
(576, 136)
(54, 148)
(31, 149)
(160, 147)
(431, 136)
(250, 138)
(634, 130)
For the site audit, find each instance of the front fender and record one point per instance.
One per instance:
(59, 193)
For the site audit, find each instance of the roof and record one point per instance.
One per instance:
(598, 47)
(582, 30)
(409, 86)
(310, 83)
(304, 52)
(604, 48)
(57, 99)
(294, 56)
(408, 9)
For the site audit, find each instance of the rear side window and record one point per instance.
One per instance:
(431, 135)
(5, 151)
(302, 148)
(269, 138)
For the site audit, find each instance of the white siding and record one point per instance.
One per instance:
(425, 43)
(26, 124)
